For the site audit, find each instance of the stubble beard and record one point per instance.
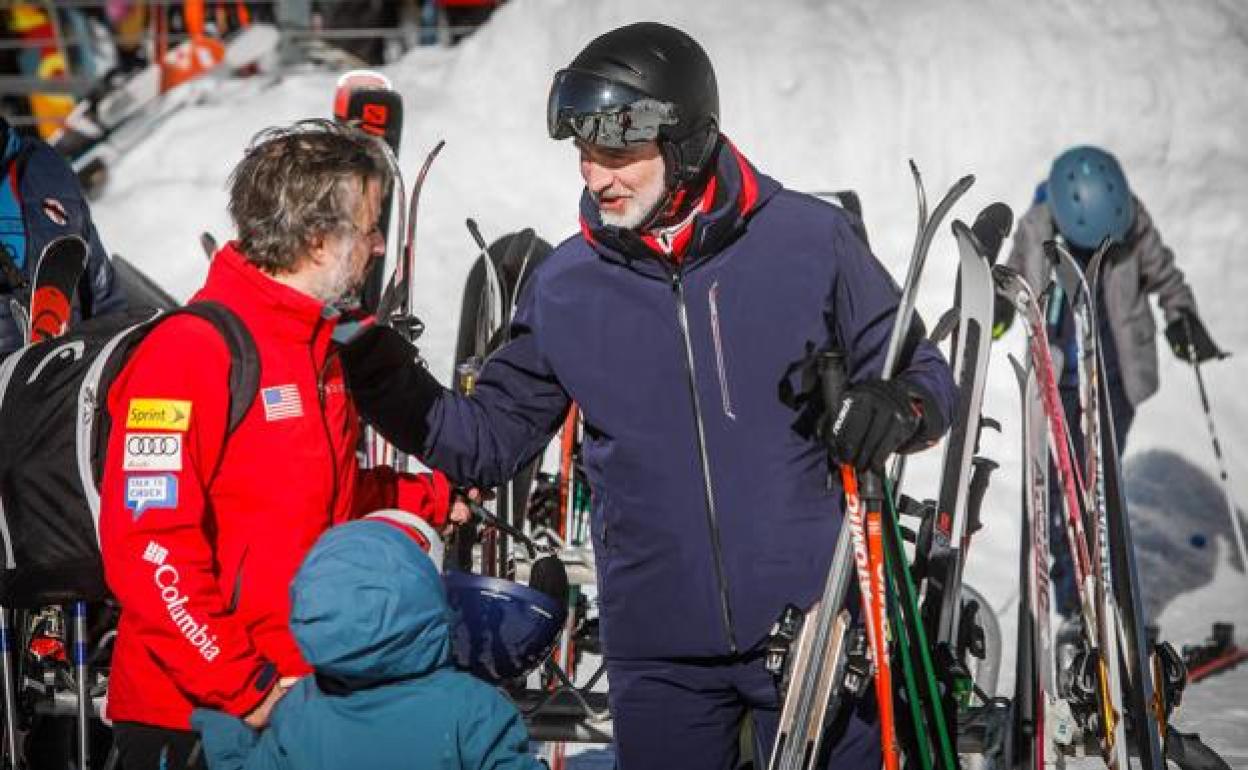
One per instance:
(340, 285)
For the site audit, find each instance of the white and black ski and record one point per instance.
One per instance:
(1147, 724)
(969, 359)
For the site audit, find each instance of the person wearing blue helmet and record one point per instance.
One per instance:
(369, 612)
(1084, 200)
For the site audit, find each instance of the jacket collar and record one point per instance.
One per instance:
(734, 193)
(266, 306)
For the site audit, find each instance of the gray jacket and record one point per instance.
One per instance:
(1146, 267)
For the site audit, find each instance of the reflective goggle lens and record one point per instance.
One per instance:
(603, 113)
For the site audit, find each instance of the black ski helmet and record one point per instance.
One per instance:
(1089, 197)
(639, 83)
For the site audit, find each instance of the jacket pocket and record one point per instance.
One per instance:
(232, 582)
(718, 340)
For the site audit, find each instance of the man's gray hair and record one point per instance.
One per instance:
(299, 183)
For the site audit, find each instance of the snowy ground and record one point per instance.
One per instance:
(834, 95)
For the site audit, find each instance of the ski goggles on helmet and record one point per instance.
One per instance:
(604, 113)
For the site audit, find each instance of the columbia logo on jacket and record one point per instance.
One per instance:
(166, 578)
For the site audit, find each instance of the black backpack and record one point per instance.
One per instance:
(54, 426)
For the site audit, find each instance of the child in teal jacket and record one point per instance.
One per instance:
(369, 613)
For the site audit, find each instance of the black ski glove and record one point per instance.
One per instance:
(391, 389)
(873, 420)
(1188, 337)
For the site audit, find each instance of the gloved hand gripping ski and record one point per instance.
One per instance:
(876, 418)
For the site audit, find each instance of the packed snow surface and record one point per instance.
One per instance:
(831, 96)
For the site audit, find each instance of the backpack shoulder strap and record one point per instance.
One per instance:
(244, 358)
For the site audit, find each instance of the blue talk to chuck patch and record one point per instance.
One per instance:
(151, 491)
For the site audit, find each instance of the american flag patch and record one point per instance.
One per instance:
(281, 402)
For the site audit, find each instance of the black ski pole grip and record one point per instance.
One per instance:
(832, 377)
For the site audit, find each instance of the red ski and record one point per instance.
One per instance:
(1227, 660)
(57, 273)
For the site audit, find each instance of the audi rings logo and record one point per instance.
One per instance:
(154, 445)
(153, 452)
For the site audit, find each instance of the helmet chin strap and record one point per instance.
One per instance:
(672, 184)
(670, 155)
(652, 218)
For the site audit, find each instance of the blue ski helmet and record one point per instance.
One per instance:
(502, 629)
(1089, 197)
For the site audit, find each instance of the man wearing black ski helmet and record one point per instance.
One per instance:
(1084, 200)
(685, 319)
(639, 84)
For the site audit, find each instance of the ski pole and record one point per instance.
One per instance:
(1236, 527)
(8, 750)
(81, 671)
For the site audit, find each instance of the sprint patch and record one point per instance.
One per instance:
(158, 414)
(156, 491)
(153, 452)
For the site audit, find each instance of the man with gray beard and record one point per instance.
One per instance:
(682, 319)
(202, 527)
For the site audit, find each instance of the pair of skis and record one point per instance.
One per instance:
(817, 669)
(368, 100)
(1123, 687)
(1114, 659)
(1061, 448)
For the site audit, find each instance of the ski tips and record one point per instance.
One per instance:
(992, 225)
(208, 243)
(363, 78)
(1004, 276)
(475, 232)
(65, 241)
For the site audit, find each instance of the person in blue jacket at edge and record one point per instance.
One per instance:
(1084, 200)
(683, 319)
(369, 612)
(40, 200)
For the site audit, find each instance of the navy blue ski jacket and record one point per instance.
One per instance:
(711, 501)
(43, 201)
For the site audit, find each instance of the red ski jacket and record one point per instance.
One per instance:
(202, 533)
